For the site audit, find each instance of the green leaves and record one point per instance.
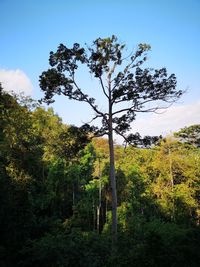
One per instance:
(190, 135)
(54, 189)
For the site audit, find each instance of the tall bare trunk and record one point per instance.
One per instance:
(113, 183)
(99, 204)
(94, 215)
(112, 166)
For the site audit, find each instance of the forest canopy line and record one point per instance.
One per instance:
(55, 195)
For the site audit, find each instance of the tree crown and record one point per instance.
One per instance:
(127, 86)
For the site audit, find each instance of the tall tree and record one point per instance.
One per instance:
(127, 88)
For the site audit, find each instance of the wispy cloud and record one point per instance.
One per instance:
(171, 120)
(16, 81)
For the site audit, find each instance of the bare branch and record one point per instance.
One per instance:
(126, 70)
(160, 108)
(100, 134)
(123, 136)
(129, 55)
(132, 109)
(113, 69)
(89, 102)
(102, 85)
(120, 80)
(93, 119)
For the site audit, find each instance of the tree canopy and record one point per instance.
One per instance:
(190, 135)
(55, 196)
(126, 85)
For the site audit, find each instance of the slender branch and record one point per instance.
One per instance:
(123, 136)
(153, 100)
(101, 134)
(126, 99)
(121, 100)
(93, 119)
(129, 55)
(88, 101)
(102, 85)
(113, 69)
(132, 108)
(120, 80)
(162, 112)
(135, 110)
(95, 135)
(125, 71)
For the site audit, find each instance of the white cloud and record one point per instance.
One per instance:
(16, 81)
(169, 121)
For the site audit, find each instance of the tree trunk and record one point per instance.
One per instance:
(172, 185)
(73, 195)
(99, 204)
(112, 166)
(94, 216)
(113, 184)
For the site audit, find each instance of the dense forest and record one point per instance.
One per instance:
(55, 196)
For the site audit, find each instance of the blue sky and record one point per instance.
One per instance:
(29, 30)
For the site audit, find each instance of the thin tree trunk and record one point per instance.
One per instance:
(73, 195)
(94, 215)
(98, 219)
(99, 204)
(113, 188)
(172, 185)
(112, 167)
(113, 184)
(106, 211)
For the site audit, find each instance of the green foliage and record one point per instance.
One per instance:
(74, 249)
(190, 135)
(55, 203)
